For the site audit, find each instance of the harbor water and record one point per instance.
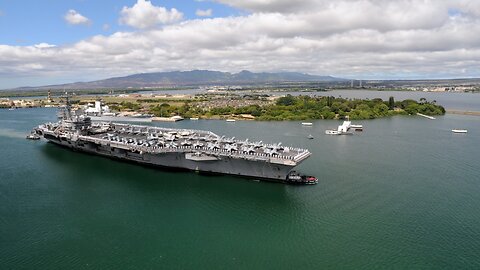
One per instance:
(402, 194)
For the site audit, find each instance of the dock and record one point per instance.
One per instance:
(426, 116)
(167, 119)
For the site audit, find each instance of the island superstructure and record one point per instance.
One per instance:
(197, 150)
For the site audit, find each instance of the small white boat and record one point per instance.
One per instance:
(194, 118)
(33, 136)
(177, 118)
(310, 136)
(137, 115)
(459, 130)
(11, 109)
(230, 120)
(307, 124)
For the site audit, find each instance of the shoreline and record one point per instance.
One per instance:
(457, 112)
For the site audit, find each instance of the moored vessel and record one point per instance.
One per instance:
(196, 150)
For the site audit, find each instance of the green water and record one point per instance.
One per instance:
(404, 194)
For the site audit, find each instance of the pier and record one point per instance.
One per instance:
(426, 116)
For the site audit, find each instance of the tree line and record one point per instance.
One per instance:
(302, 108)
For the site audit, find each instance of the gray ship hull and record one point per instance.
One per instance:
(181, 160)
(188, 149)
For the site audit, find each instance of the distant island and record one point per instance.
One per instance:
(281, 108)
(306, 107)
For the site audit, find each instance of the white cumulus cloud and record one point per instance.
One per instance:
(204, 12)
(44, 45)
(145, 15)
(274, 5)
(73, 17)
(345, 38)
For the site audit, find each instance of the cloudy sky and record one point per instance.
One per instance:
(58, 41)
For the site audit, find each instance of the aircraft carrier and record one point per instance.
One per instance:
(196, 150)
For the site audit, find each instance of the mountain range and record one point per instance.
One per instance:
(191, 78)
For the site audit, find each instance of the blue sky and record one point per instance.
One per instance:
(36, 21)
(61, 41)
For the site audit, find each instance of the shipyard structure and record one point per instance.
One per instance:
(195, 150)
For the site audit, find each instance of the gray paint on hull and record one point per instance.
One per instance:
(226, 165)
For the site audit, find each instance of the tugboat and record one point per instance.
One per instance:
(297, 178)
